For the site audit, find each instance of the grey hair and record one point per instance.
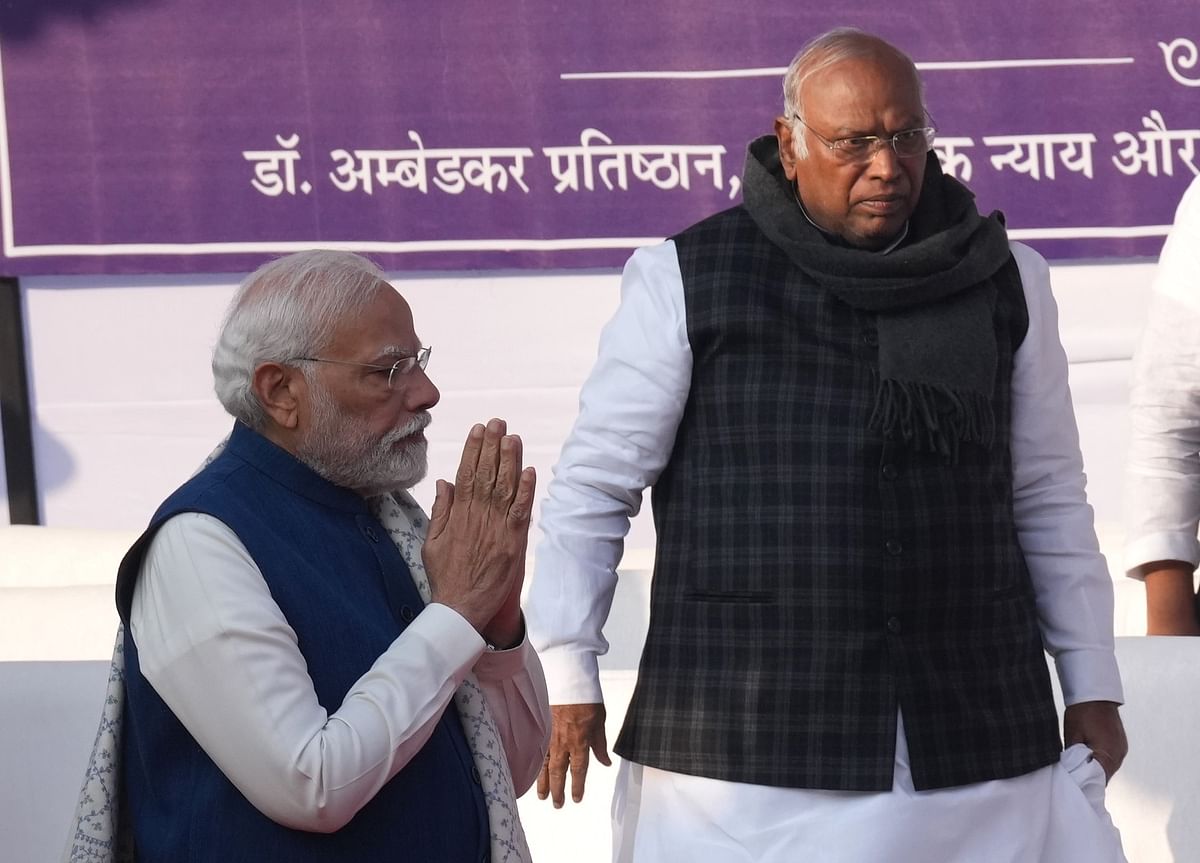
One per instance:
(287, 308)
(831, 47)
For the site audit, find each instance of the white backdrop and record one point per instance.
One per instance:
(124, 409)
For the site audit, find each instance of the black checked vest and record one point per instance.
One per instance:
(812, 577)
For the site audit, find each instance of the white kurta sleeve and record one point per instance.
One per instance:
(217, 649)
(630, 408)
(1055, 523)
(1162, 502)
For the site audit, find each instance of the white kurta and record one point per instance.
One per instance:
(630, 409)
(1163, 480)
(217, 649)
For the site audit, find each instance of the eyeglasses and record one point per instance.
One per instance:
(402, 366)
(862, 148)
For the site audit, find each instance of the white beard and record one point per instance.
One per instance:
(346, 454)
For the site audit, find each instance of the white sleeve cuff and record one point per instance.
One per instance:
(1089, 675)
(1166, 545)
(572, 677)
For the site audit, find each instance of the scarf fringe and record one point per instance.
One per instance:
(933, 417)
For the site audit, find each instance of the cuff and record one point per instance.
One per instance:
(1089, 675)
(454, 639)
(572, 676)
(495, 665)
(1164, 545)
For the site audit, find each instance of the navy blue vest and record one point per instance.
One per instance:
(346, 591)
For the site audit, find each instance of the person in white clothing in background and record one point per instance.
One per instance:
(1163, 476)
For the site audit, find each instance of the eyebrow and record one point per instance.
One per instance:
(395, 352)
(850, 132)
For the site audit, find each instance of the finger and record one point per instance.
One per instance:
(579, 770)
(1106, 763)
(489, 458)
(508, 474)
(557, 767)
(522, 504)
(464, 480)
(439, 515)
(543, 782)
(600, 746)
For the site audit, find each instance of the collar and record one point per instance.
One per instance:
(280, 466)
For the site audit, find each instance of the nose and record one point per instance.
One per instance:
(885, 162)
(420, 393)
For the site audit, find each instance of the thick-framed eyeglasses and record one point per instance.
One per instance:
(907, 143)
(399, 368)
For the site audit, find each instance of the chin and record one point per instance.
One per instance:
(876, 236)
(412, 478)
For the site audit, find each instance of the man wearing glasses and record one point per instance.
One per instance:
(314, 669)
(849, 397)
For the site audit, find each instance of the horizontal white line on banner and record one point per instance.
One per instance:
(776, 71)
(1130, 232)
(526, 245)
(523, 245)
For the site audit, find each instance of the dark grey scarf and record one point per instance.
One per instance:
(934, 296)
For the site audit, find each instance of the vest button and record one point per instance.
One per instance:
(406, 614)
(369, 533)
(870, 339)
(893, 625)
(890, 471)
(475, 777)
(893, 547)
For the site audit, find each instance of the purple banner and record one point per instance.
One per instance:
(203, 136)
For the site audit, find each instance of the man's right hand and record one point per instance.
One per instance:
(474, 552)
(576, 729)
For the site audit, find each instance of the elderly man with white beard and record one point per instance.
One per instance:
(314, 670)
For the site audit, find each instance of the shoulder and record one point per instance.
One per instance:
(1187, 215)
(221, 472)
(1035, 272)
(726, 220)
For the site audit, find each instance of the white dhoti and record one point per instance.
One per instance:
(1053, 815)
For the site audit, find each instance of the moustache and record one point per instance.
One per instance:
(419, 422)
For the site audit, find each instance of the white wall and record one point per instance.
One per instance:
(124, 409)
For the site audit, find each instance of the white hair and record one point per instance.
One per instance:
(828, 49)
(287, 308)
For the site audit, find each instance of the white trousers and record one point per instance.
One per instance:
(1053, 815)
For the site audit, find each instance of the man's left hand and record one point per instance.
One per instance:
(1098, 725)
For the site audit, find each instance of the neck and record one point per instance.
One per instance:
(285, 439)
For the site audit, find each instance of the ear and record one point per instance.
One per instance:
(279, 389)
(787, 148)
